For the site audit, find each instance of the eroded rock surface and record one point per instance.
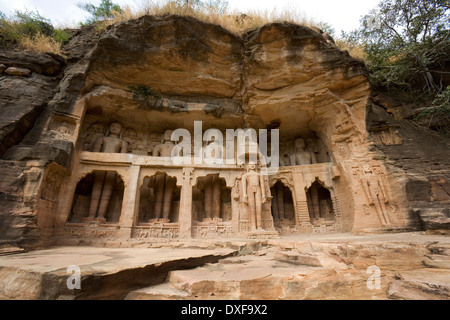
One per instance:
(279, 76)
(331, 271)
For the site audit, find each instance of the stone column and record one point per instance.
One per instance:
(337, 212)
(302, 219)
(235, 205)
(65, 203)
(185, 216)
(130, 201)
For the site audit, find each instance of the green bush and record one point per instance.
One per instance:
(144, 91)
(31, 23)
(24, 24)
(29, 30)
(440, 108)
(61, 36)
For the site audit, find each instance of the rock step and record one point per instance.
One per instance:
(437, 261)
(10, 250)
(105, 273)
(425, 284)
(440, 249)
(159, 292)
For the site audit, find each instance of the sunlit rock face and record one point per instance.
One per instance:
(154, 75)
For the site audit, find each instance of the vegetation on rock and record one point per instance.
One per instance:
(144, 91)
(407, 49)
(106, 10)
(405, 43)
(30, 31)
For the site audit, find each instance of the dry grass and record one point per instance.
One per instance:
(40, 43)
(356, 51)
(234, 21)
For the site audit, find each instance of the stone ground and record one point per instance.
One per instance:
(312, 267)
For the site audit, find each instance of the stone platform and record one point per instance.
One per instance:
(105, 273)
(316, 267)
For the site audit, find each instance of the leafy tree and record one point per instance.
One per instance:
(407, 44)
(438, 114)
(104, 11)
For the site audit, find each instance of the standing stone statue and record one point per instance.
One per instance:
(165, 148)
(301, 155)
(163, 187)
(254, 195)
(313, 200)
(104, 181)
(278, 202)
(375, 192)
(212, 188)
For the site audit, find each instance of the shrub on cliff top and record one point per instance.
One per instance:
(30, 31)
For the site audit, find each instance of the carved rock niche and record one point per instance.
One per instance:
(92, 194)
(320, 205)
(283, 210)
(159, 200)
(211, 200)
(63, 127)
(305, 143)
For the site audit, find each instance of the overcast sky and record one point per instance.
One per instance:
(341, 15)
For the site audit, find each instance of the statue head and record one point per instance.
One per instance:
(115, 128)
(97, 127)
(300, 144)
(310, 143)
(167, 136)
(366, 168)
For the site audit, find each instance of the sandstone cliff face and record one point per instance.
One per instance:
(280, 74)
(422, 155)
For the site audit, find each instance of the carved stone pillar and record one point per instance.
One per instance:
(185, 217)
(302, 220)
(130, 208)
(337, 212)
(64, 207)
(235, 205)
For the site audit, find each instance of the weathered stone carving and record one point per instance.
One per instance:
(386, 137)
(163, 187)
(51, 187)
(165, 231)
(135, 142)
(301, 155)
(253, 186)
(95, 131)
(104, 181)
(278, 201)
(62, 127)
(166, 146)
(211, 186)
(313, 201)
(375, 193)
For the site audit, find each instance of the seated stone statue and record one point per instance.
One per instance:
(165, 148)
(112, 143)
(301, 155)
